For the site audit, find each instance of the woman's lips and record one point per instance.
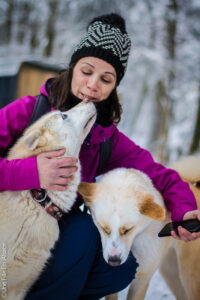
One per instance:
(88, 98)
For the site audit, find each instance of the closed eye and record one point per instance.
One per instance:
(86, 72)
(105, 228)
(124, 230)
(106, 80)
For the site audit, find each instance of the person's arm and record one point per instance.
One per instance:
(16, 174)
(178, 197)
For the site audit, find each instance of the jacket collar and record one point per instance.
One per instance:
(99, 134)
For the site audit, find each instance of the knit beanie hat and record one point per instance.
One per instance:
(107, 39)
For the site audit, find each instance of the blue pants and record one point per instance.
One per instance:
(77, 269)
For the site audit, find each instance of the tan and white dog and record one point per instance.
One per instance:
(128, 212)
(181, 265)
(27, 231)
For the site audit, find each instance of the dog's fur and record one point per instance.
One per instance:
(181, 265)
(27, 231)
(129, 212)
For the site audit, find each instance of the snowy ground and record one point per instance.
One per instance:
(158, 290)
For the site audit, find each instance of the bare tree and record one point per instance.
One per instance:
(50, 26)
(24, 9)
(163, 89)
(7, 27)
(196, 135)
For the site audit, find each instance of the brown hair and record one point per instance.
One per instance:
(61, 85)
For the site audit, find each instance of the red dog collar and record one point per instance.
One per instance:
(41, 197)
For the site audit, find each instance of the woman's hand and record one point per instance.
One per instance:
(55, 172)
(184, 234)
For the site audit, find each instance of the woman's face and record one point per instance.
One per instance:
(93, 78)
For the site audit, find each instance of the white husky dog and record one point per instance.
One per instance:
(128, 212)
(27, 231)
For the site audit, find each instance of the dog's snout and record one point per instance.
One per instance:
(114, 260)
(114, 244)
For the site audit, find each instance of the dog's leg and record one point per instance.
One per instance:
(170, 271)
(145, 270)
(139, 285)
(149, 259)
(188, 268)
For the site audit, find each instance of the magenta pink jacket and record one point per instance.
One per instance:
(23, 174)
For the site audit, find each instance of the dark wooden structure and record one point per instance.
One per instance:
(28, 80)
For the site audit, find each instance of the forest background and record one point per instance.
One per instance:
(160, 92)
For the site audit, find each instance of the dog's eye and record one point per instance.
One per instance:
(106, 230)
(104, 227)
(64, 116)
(124, 231)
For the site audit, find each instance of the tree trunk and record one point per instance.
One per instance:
(24, 11)
(160, 131)
(196, 136)
(171, 29)
(8, 23)
(50, 29)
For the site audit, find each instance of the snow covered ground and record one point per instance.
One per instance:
(158, 290)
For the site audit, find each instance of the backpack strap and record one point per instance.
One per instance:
(106, 148)
(42, 106)
(105, 154)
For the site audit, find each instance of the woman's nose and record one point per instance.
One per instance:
(92, 83)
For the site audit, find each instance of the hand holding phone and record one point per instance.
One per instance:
(192, 225)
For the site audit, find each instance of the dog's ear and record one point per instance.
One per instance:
(87, 191)
(151, 209)
(34, 139)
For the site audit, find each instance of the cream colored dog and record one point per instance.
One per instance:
(128, 212)
(181, 265)
(27, 231)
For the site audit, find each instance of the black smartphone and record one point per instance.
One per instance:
(192, 225)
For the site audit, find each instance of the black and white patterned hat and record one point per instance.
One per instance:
(107, 39)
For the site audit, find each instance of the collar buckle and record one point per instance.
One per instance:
(41, 197)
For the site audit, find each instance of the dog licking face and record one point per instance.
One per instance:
(56, 130)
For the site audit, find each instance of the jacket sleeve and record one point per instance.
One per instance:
(177, 195)
(17, 174)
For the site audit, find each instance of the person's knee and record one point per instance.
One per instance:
(75, 250)
(80, 231)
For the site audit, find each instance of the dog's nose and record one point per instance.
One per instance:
(114, 260)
